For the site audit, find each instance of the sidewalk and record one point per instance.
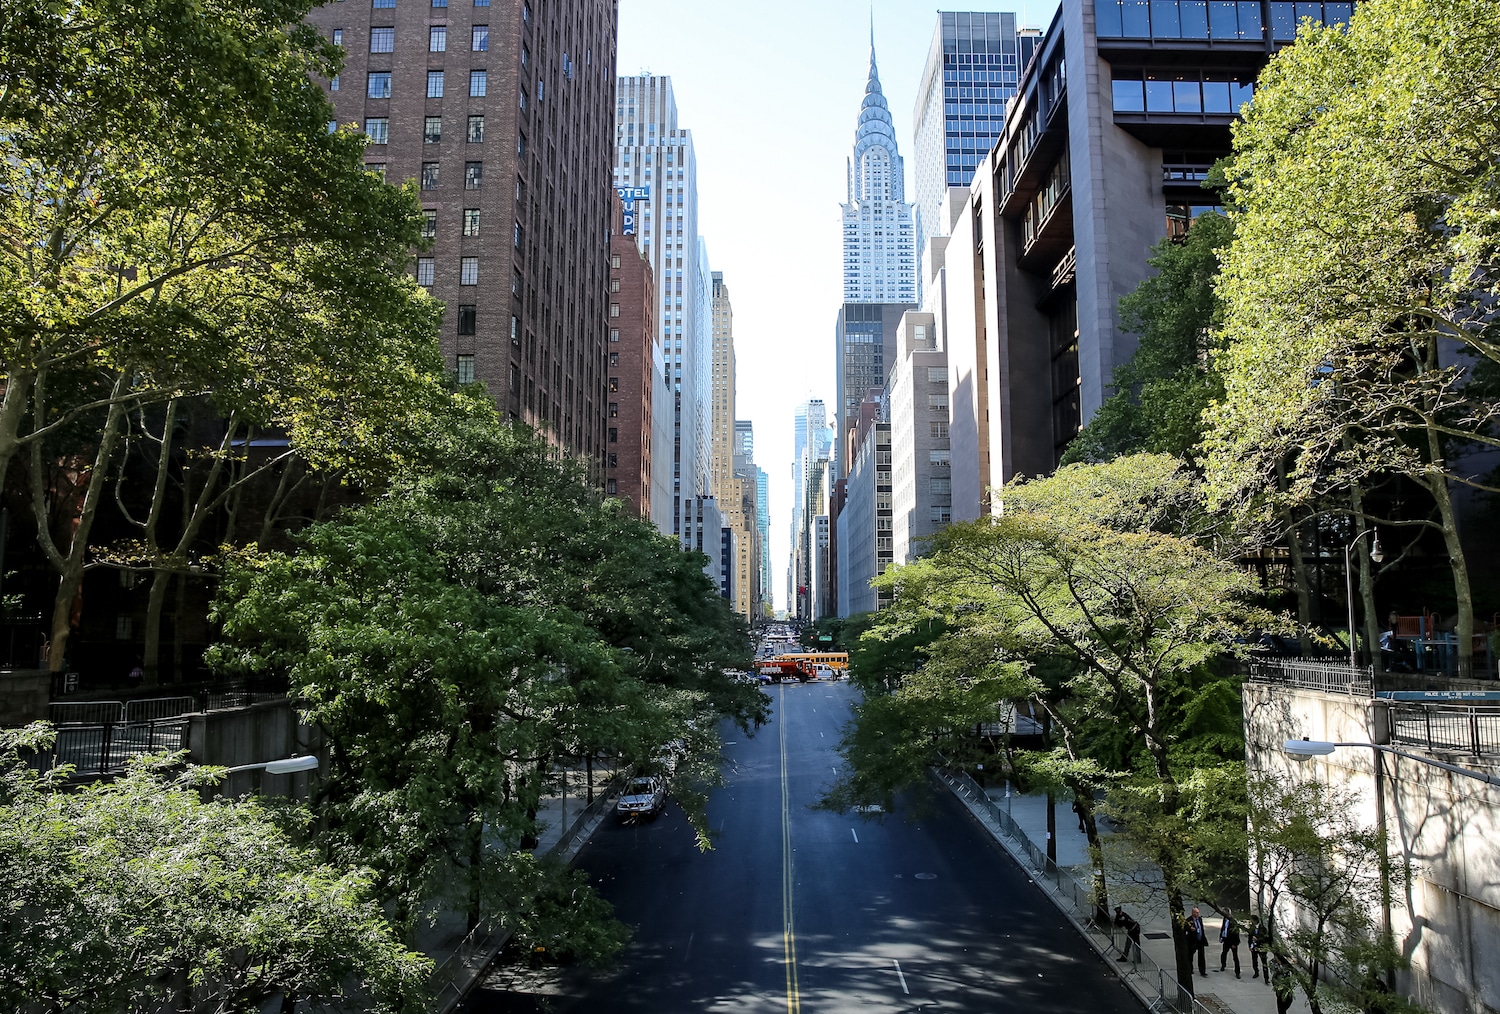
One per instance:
(567, 821)
(1142, 897)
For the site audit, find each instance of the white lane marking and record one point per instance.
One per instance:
(820, 735)
(856, 835)
(901, 977)
(688, 950)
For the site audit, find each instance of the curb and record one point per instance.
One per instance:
(1150, 1003)
(566, 850)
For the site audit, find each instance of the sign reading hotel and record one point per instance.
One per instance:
(628, 197)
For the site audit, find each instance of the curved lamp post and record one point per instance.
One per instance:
(1302, 750)
(285, 766)
(1377, 554)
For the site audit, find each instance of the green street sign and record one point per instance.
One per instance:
(826, 637)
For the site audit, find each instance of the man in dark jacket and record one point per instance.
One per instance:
(1132, 934)
(1229, 937)
(1198, 940)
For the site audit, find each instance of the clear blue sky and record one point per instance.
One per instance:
(771, 91)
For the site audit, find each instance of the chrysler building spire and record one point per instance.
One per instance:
(879, 261)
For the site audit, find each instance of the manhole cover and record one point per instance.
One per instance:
(926, 876)
(1214, 1004)
(1158, 936)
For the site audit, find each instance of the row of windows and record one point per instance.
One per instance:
(383, 40)
(378, 84)
(1180, 93)
(1212, 19)
(387, 4)
(430, 216)
(468, 272)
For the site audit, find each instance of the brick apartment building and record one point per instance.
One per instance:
(632, 339)
(503, 112)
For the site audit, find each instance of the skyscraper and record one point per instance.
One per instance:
(972, 69)
(501, 114)
(656, 175)
(878, 237)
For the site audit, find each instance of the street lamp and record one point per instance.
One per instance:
(285, 766)
(1377, 554)
(1302, 750)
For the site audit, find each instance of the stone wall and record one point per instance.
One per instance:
(24, 694)
(1444, 826)
(254, 735)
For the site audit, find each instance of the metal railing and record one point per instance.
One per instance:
(108, 747)
(1310, 674)
(85, 712)
(1157, 984)
(1436, 728)
(153, 708)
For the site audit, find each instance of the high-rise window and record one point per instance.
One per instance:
(473, 175)
(383, 3)
(479, 40)
(426, 269)
(378, 168)
(614, 334)
(429, 223)
(614, 410)
(437, 39)
(434, 84)
(468, 271)
(614, 309)
(471, 221)
(468, 315)
(338, 36)
(432, 129)
(518, 236)
(521, 144)
(382, 40)
(481, 3)
(521, 100)
(476, 130)
(377, 129)
(440, 3)
(465, 368)
(429, 175)
(479, 83)
(333, 83)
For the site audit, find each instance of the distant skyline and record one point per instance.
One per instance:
(772, 94)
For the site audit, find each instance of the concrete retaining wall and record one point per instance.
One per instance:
(24, 694)
(1444, 825)
(254, 735)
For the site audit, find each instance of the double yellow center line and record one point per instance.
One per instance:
(788, 930)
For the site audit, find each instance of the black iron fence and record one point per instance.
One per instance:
(1311, 674)
(1447, 728)
(108, 747)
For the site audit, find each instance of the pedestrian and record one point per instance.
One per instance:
(1132, 935)
(1078, 811)
(1280, 977)
(1229, 937)
(136, 676)
(1198, 940)
(1260, 948)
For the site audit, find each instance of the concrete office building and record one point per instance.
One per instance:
(921, 467)
(763, 525)
(1117, 120)
(973, 65)
(812, 440)
(656, 175)
(879, 264)
(730, 481)
(502, 115)
(633, 373)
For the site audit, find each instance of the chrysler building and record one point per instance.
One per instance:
(879, 244)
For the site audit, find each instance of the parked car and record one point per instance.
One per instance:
(645, 796)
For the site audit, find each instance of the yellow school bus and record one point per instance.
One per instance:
(832, 659)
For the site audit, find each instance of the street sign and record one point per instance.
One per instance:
(826, 637)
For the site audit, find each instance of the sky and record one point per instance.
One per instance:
(771, 91)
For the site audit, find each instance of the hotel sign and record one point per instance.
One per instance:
(628, 197)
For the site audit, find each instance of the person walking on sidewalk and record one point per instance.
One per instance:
(1132, 934)
(1229, 937)
(1198, 940)
(1260, 948)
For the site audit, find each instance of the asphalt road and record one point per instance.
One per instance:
(797, 909)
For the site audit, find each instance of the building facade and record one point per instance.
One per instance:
(501, 114)
(632, 373)
(921, 494)
(973, 65)
(1117, 121)
(865, 344)
(864, 524)
(655, 171)
(879, 263)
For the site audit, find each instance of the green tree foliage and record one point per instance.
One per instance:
(1360, 286)
(180, 222)
(1319, 875)
(1163, 389)
(136, 893)
(1095, 597)
(488, 617)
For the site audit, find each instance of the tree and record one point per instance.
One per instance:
(454, 639)
(136, 893)
(1162, 390)
(1360, 286)
(142, 266)
(1094, 578)
(1319, 874)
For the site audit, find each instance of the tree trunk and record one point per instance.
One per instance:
(1182, 946)
(1366, 578)
(1299, 569)
(161, 581)
(1463, 594)
(476, 864)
